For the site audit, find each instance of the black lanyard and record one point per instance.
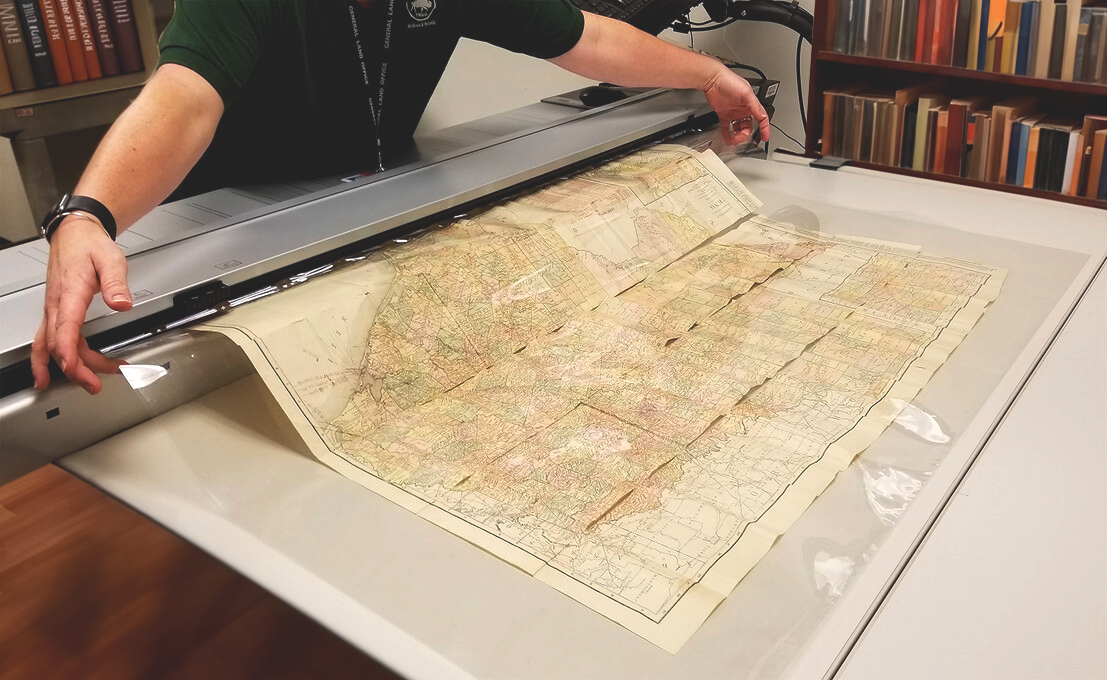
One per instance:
(375, 106)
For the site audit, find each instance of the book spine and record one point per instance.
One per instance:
(6, 86)
(910, 30)
(910, 119)
(88, 43)
(1093, 47)
(841, 26)
(925, 31)
(19, 60)
(100, 19)
(894, 34)
(937, 31)
(1022, 49)
(72, 40)
(55, 38)
(1081, 42)
(38, 47)
(1010, 38)
(1070, 162)
(1057, 43)
(1015, 147)
(1101, 193)
(1047, 10)
(1032, 41)
(961, 33)
(982, 37)
(126, 36)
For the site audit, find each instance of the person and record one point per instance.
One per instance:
(246, 90)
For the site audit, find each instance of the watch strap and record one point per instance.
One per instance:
(69, 205)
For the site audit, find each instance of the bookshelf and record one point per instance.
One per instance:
(148, 42)
(831, 69)
(54, 130)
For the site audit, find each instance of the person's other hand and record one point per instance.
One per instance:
(736, 104)
(83, 261)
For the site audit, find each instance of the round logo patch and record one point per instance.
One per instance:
(420, 10)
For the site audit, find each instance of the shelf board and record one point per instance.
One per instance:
(963, 73)
(1037, 193)
(19, 100)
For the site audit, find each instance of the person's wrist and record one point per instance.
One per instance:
(81, 223)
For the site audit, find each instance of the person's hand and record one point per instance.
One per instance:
(83, 261)
(736, 104)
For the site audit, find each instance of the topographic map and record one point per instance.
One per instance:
(624, 383)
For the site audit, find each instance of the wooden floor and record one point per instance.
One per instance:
(91, 589)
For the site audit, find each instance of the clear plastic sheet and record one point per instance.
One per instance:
(769, 617)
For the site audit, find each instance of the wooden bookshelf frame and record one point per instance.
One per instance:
(830, 69)
(148, 43)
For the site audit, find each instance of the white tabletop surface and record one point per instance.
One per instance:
(225, 473)
(1012, 580)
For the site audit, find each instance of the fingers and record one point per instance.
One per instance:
(111, 267)
(40, 358)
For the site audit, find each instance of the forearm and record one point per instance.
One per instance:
(153, 144)
(616, 52)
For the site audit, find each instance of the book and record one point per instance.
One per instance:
(894, 33)
(1091, 125)
(924, 35)
(835, 101)
(905, 97)
(38, 47)
(15, 47)
(1032, 40)
(874, 40)
(944, 20)
(1028, 155)
(984, 36)
(941, 133)
(910, 30)
(961, 111)
(100, 19)
(842, 24)
(1004, 114)
(56, 40)
(1047, 10)
(973, 53)
(1016, 153)
(1095, 175)
(1058, 133)
(1072, 26)
(5, 76)
(1095, 56)
(88, 43)
(980, 146)
(1025, 30)
(907, 147)
(931, 136)
(922, 138)
(1010, 36)
(1081, 42)
(1057, 42)
(963, 18)
(1070, 162)
(1101, 193)
(126, 36)
(73, 47)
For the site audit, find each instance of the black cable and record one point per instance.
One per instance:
(799, 85)
(796, 141)
(701, 29)
(747, 67)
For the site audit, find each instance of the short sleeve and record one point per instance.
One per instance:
(221, 40)
(538, 28)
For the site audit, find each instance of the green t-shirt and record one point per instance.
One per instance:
(293, 85)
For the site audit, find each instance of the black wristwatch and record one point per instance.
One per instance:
(77, 204)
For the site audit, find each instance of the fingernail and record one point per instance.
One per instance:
(120, 298)
(63, 366)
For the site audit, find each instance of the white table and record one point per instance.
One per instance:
(227, 474)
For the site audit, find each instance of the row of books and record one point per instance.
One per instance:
(921, 127)
(56, 42)
(1058, 39)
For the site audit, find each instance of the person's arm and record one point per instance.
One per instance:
(616, 52)
(142, 158)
